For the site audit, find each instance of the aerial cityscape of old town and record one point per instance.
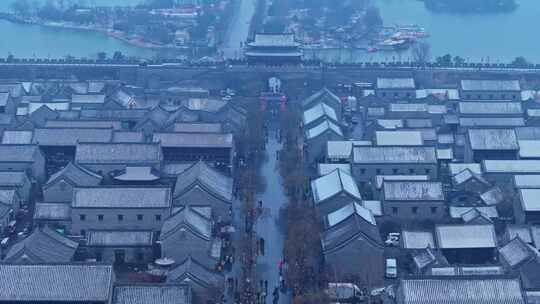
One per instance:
(269, 152)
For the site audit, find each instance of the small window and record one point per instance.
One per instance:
(414, 210)
(120, 217)
(378, 171)
(82, 217)
(396, 95)
(468, 96)
(100, 217)
(83, 232)
(383, 94)
(513, 96)
(490, 96)
(139, 217)
(408, 95)
(428, 171)
(395, 171)
(411, 171)
(394, 210)
(362, 171)
(158, 217)
(503, 96)
(433, 210)
(140, 256)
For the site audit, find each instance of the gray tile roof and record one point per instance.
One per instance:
(454, 290)
(465, 236)
(187, 218)
(319, 111)
(114, 124)
(118, 153)
(17, 137)
(343, 148)
(325, 125)
(91, 99)
(413, 191)
(152, 294)
(417, 239)
(182, 127)
(515, 252)
(395, 83)
(52, 211)
(321, 96)
(56, 282)
(524, 181)
(137, 174)
(491, 121)
(493, 139)
(211, 180)
(120, 238)
(399, 138)
(76, 175)
(490, 85)
(334, 183)
(121, 197)
(127, 137)
(353, 208)
(490, 108)
(520, 166)
(13, 178)
(70, 136)
(42, 246)
(276, 40)
(18, 153)
(394, 155)
(195, 140)
(324, 169)
(190, 270)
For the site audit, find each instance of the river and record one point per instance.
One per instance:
(489, 37)
(476, 37)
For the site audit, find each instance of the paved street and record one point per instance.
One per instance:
(238, 29)
(267, 225)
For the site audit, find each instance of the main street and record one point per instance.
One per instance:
(238, 30)
(268, 225)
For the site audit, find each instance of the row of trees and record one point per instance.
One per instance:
(302, 248)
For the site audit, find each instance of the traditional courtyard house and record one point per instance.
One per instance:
(42, 246)
(413, 200)
(463, 289)
(18, 180)
(371, 161)
(323, 96)
(105, 158)
(396, 88)
(199, 277)
(217, 148)
(27, 158)
(334, 191)
(202, 186)
(341, 151)
(317, 114)
(189, 233)
(55, 215)
(491, 144)
(490, 90)
(88, 101)
(59, 187)
(467, 244)
(152, 293)
(523, 260)
(17, 137)
(59, 144)
(121, 246)
(317, 137)
(57, 283)
(399, 138)
(352, 245)
(119, 208)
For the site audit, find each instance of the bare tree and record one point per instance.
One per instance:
(421, 52)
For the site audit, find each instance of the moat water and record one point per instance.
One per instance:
(477, 37)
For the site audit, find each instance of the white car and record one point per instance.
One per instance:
(391, 268)
(393, 239)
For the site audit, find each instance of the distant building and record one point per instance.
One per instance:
(121, 246)
(396, 88)
(490, 90)
(273, 49)
(467, 244)
(414, 200)
(59, 187)
(152, 294)
(334, 191)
